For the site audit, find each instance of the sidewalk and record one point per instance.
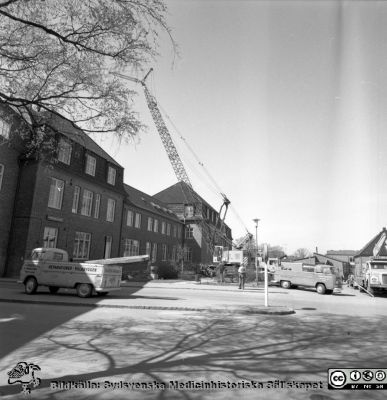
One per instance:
(135, 295)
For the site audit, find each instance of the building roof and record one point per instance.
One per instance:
(342, 252)
(367, 250)
(179, 193)
(318, 258)
(147, 202)
(77, 135)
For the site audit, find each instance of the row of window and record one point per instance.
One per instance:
(82, 242)
(65, 149)
(153, 225)
(88, 198)
(168, 253)
(133, 219)
(131, 247)
(189, 212)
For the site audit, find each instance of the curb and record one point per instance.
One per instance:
(187, 285)
(246, 311)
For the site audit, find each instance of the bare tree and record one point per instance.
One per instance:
(55, 57)
(302, 253)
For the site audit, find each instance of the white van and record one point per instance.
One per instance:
(324, 278)
(50, 267)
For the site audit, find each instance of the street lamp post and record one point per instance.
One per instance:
(256, 220)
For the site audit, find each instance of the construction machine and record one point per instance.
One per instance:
(210, 233)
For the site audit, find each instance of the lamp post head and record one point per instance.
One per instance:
(256, 220)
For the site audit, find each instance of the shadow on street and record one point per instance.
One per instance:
(40, 324)
(204, 347)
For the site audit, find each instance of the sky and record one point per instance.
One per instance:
(283, 102)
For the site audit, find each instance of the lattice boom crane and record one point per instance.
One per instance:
(173, 155)
(175, 159)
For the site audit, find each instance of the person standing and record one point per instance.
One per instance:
(242, 276)
(221, 272)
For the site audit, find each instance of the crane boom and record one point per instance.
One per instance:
(177, 164)
(169, 146)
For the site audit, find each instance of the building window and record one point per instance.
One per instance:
(111, 206)
(137, 222)
(56, 193)
(188, 232)
(5, 128)
(81, 245)
(1, 174)
(97, 205)
(156, 225)
(187, 254)
(163, 227)
(148, 247)
(74, 208)
(174, 252)
(91, 162)
(131, 247)
(179, 231)
(150, 224)
(111, 178)
(87, 203)
(189, 211)
(108, 247)
(154, 252)
(164, 252)
(129, 218)
(50, 236)
(174, 231)
(64, 151)
(169, 229)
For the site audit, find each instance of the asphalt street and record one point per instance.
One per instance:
(209, 296)
(118, 347)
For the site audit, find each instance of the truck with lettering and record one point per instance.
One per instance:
(371, 272)
(371, 275)
(51, 267)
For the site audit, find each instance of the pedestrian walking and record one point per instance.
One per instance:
(221, 272)
(242, 276)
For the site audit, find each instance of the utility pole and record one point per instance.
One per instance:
(256, 220)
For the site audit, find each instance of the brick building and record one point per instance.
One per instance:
(201, 223)
(149, 227)
(78, 202)
(74, 203)
(10, 148)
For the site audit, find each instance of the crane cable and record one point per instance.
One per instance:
(216, 186)
(215, 189)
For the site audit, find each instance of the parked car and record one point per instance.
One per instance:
(208, 270)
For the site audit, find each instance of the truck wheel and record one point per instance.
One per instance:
(320, 288)
(84, 289)
(285, 284)
(53, 289)
(31, 285)
(100, 294)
